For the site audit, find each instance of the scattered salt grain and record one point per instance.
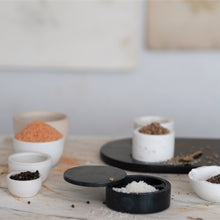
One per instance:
(136, 187)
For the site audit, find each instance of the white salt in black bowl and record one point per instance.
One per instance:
(112, 177)
(140, 203)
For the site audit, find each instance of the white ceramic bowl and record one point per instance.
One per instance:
(23, 188)
(152, 148)
(205, 190)
(144, 120)
(57, 120)
(53, 148)
(31, 161)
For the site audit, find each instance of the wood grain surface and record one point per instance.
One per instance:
(56, 196)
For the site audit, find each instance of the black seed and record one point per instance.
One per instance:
(26, 175)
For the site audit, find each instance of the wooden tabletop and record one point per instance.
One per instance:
(56, 197)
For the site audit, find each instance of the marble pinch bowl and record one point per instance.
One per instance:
(144, 120)
(204, 189)
(59, 121)
(31, 161)
(153, 148)
(53, 148)
(23, 188)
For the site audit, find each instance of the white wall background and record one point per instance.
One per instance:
(184, 85)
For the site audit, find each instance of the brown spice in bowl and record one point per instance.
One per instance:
(38, 131)
(154, 128)
(214, 179)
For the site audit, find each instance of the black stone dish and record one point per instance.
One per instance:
(94, 176)
(143, 202)
(118, 153)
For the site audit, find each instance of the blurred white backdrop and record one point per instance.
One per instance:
(184, 85)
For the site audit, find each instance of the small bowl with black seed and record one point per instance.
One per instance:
(24, 184)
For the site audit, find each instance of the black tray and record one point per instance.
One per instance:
(118, 153)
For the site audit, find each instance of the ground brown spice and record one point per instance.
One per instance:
(154, 128)
(4, 170)
(192, 218)
(214, 179)
(65, 163)
(39, 131)
(186, 159)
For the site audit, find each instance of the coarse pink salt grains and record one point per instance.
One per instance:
(38, 131)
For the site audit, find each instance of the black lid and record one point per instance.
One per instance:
(94, 176)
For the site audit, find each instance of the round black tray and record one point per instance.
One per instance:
(118, 153)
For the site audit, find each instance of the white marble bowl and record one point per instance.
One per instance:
(23, 188)
(144, 120)
(57, 120)
(153, 148)
(53, 148)
(204, 189)
(31, 161)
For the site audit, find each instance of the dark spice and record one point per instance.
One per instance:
(87, 202)
(73, 206)
(214, 179)
(154, 128)
(29, 202)
(26, 175)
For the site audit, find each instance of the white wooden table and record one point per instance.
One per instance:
(57, 196)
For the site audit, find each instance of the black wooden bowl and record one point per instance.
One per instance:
(143, 202)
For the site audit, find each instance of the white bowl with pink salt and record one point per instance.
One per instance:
(40, 137)
(57, 120)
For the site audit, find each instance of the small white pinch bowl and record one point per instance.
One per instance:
(144, 120)
(31, 161)
(53, 148)
(204, 189)
(153, 148)
(23, 188)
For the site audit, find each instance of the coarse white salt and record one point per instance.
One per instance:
(136, 187)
